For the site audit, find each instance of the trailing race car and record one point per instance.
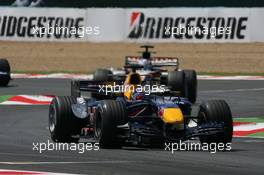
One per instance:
(151, 68)
(131, 117)
(4, 72)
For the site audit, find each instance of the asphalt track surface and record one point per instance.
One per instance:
(20, 126)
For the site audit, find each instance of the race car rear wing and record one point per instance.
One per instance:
(155, 61)
(110, 89)
(97, 87)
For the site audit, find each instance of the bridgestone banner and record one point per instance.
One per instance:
(132, 25)
(19, 23)
(196, 24)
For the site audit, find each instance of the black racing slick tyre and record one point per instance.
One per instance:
(191, 82)
(217, 111)
(75, 88)
(109, 114)
(4, 72)
(102, 75)
(176, 81)
(63, 125)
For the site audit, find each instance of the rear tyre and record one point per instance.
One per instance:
(104, 76)
(62, 122)
(75, 89)
(217, 111)
(176, 81)
(4, 72)
(109, 114)
(191, 82)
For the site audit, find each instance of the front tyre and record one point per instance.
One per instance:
(62, 122)
(217, 111)
(109, 114)
(176, 81)
(191, 82)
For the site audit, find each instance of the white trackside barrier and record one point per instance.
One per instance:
(132, 25)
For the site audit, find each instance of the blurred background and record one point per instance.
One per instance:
(240, 53)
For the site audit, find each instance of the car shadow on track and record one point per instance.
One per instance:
(9, 86)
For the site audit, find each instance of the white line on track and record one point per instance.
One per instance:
(246, 118)
(85, 162)
(252, 139)
(249, 127)
(232, 90)
(14, 103)
(35, 155)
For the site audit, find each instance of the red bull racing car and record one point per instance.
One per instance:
(130, 116)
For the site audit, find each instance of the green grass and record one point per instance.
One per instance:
(258, 134)
(251, 119)
(4, 98)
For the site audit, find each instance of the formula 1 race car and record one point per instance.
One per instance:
(4, 72)
(151, 68)
(132, 117)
